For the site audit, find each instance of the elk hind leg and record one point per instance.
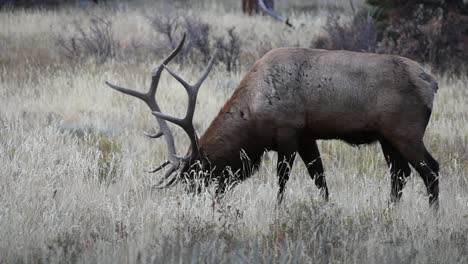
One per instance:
(284, 166)
(399, 169)
(310, 154)
(426, 166)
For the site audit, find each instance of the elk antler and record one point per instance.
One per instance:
(186, 123)
(150, 100)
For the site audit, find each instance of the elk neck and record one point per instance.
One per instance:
(233, 133)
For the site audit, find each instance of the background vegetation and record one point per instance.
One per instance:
(72, 158)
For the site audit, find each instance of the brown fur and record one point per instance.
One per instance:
(292, 96)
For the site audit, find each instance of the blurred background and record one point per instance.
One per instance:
(429, 31)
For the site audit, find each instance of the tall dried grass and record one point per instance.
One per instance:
(72, 159)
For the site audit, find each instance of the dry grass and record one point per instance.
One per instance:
(72, 186)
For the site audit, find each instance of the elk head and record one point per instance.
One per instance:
(179, 166)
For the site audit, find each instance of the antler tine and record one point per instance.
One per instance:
(175, 120)
(192, 103)
(187, 86)
(155, 135)
(157, 73)
(133, 93)
(187, 122)
(160, 167)
(168, 173)
(150, 100)
(170, 183)
(148, 97)
(192, 90)
(187, 125)
(207, 70)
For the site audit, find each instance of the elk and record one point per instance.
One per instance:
(292, 97)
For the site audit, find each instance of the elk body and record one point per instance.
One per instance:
(292, 97)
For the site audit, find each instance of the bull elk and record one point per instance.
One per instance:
(292, 97)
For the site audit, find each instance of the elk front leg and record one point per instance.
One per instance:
(285, 163)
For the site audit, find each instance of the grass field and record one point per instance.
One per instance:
(72, 158)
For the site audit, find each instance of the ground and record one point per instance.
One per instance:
(72, 158)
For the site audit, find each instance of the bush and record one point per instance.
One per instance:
(434, 32)
(43, 3)
(172, 25)
(200, 44)
(360, 35)
(167, 24)
(198, 33)
(96, 41)
(229, 50)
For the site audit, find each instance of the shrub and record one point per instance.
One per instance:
(95, 41)
(166, 23)
(172, 25)
(435, 32)
(200, 44)
(229, 50)
(198, 33)
(360, 35)
(34, 3)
